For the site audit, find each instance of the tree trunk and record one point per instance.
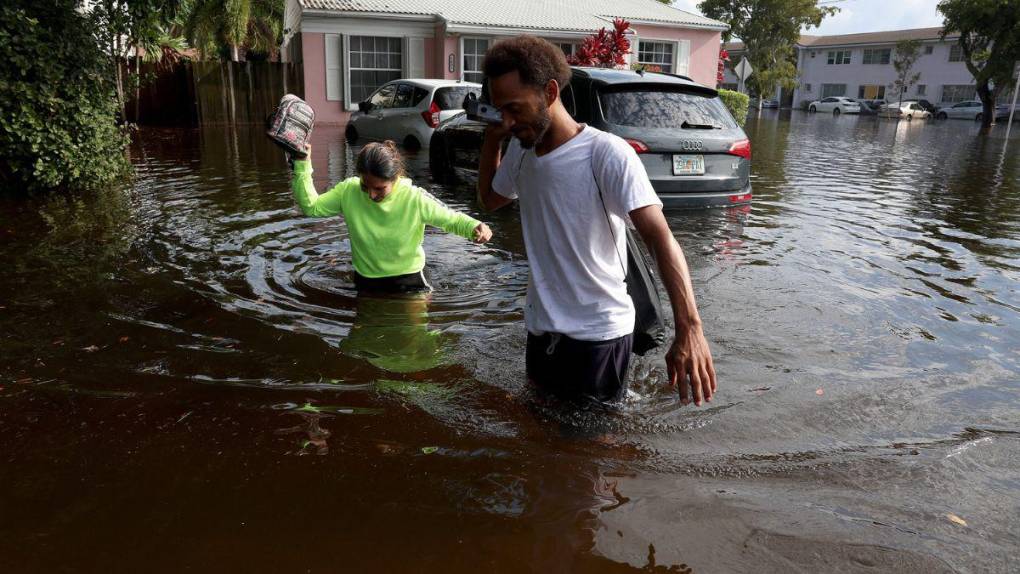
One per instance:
(138, 82)
(234, 55)
(987, 104)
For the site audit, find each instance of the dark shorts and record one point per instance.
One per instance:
(569, 368)
(410, 283)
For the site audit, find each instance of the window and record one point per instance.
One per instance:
(658, 54)
(405, 93)
(658, 109)
(838, 57)
(567, 47)
(807, 88)
(374, 61)
(922, 89)
(384, 97)
(871, 92)
(829, 90)
(877, 55)
(452, 97)
(958, 93)
(474, 53)
(728, 86)
(955, 53)
(929, 49)
(419, 95)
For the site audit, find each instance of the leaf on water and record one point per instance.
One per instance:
(124, 339)
(819, 392)
(90, 349)
(759, 389)
(956, 519)
(429, 449)
(308, 408)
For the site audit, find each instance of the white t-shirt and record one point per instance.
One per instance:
(577, 284)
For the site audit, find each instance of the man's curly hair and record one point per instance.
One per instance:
(536, 60)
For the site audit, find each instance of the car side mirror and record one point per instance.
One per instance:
(365, 107)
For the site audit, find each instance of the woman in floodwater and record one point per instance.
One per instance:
(386, 217)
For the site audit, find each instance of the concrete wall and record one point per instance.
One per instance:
(705, 44)
(935, 68)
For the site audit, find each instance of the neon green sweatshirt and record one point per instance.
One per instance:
(386, 237)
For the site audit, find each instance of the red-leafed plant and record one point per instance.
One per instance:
(724, 57)
(604, 49)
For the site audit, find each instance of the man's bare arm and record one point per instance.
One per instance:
(689, 358)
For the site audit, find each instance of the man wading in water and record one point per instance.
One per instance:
(579, 316)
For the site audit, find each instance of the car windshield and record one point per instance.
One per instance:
(452, 98)
(664, 109)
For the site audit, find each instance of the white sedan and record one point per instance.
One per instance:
(970, 110)
(835, 105)
(908, 110)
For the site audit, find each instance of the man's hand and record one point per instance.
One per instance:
(482, 233)
(488, 163)
(689, 362)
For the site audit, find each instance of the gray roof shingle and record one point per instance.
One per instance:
(528, 14)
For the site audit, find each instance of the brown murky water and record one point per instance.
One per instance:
(188, 382)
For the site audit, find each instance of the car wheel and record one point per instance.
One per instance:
(836, 112)
(439, 159)
(942, 116)
(351, 133)
(978, 117)
(411, 143)
(812, 109)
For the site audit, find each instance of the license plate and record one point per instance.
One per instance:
(684, 164)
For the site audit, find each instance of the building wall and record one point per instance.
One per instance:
(936, 71)
(313, 53)
(705, 44)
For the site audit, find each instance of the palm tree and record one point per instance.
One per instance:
(252, 25)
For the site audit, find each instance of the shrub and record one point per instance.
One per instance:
(737, 103)
(58, 127)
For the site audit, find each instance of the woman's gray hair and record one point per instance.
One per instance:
(381, 160)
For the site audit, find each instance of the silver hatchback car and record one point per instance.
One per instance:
(408, 111)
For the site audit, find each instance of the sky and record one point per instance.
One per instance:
(865, 15)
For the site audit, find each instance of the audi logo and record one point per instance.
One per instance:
(692, 145)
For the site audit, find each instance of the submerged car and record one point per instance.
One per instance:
(693, 150)
(407, 111)
(835, 105)
(971, 110)
(907, 110)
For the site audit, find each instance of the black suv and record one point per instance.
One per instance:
(695, 153)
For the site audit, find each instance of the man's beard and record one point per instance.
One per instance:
(540, 127)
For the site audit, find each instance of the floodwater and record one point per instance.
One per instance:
(189, 383)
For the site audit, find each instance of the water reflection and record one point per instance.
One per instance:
(393, 334)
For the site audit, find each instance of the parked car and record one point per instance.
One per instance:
(694, 152)
(971, 110)
(836, 105)
(907, 110)
(407, 111)
(925, 105)
(867, 108)
(765, 103)
(1002, 112)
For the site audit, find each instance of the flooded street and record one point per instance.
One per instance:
(188, 381)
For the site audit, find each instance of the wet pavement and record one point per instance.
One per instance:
(188, 381)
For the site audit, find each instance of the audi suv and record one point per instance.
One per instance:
(693, 150)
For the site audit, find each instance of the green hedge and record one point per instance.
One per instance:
(58, 127)
(737, 104)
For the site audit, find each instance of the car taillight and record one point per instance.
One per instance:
(431, 116)
(740, 198)
(638, 146)
(741, 148)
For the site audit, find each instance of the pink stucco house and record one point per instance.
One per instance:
(348, 48)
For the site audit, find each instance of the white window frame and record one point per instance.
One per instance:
(959, 52)
(353, 104)
(463, 55)
(842, 95)
(970, 87)
(573, 46)
(673, 62)
(835, 57)
(877, 54)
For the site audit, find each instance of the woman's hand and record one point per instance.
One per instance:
(482, 233)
